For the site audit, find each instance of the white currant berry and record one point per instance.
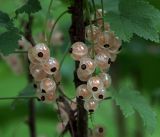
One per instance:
(95, 84)
(100, 95)
(106, 79)
(99, 131)
(103, 60)
(83, 92)
(114, 42)
(57, 76)
(41, 52)
(51, 66)
(92, 33)
(87, 65)
(47, 85)
(83, 76)
(48, 97)
(103, 39)
(78, 50)
(31, 56)
(90, 105)
(37, 72)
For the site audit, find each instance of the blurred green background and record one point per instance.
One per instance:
(138, 62)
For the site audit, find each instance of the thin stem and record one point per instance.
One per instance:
(20, 51)
(102, 14)
(46, 19)
(94, 7)
(52, 29)
(19, 97)
(64, 56)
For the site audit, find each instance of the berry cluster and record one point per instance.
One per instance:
(43, 68)
(103, 52)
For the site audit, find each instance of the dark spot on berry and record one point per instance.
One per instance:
(43, 91)
(91, 110)
(53, 69)
(34, 85)
(100, 96)
(81, 97)
(70, 50)
(83, 66)
(40, 54)
(43, 98)
(100, 130)
(94, 88)
(106, 46)
(109, 61)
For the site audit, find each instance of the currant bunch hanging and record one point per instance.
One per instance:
(45, 72)
(99, 56)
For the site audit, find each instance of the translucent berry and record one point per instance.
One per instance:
(115, 43)
(95, 84)
(31, 56)
(47, 85)
(103, 60)
(46, 97)
(37, 72)
(57, 76)
(87, 65)
(83, 76)
(83, 92)
(41, 52)
(103, 39)
(106, 79)
(99, 131)
(92, 33)
(100, 95)
(51, 66)
(78, 50)
(90, 105)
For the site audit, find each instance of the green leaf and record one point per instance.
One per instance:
(9, 41)
(31, 6)
(135, 17)
(130, 101)
(5, 20)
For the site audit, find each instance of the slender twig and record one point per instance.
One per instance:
(46, 19)
(52, 29)
(19, 97)
(31, 104)
(102, 14)
(94, 7)
(65, 54)
(20, 51)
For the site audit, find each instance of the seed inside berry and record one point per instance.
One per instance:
(100, 130)
(81, 97)
(83, 66)
(43, 91)
(53, 69)
(106, 45)
(43, 98)
(94, 88)
(100, 96)
(70, 50)
(91, 110)
(40, 54)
